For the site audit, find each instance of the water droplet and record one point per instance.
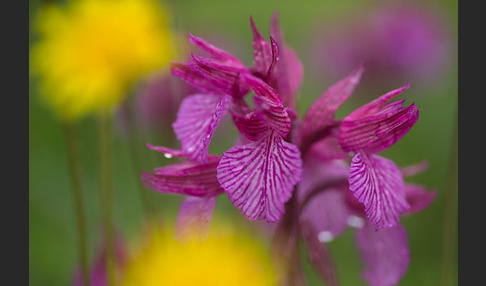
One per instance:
(355, 221)
(167, 155)
(325, 236)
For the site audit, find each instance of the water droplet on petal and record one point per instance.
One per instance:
(355, 221)
(325, 236)
(167, 155)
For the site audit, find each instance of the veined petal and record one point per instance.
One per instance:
(223, 56)
(262, 53)
(376, 105)
(418, 197)
(288, 74)
(312, 172)
(385, 254)
(274, 115)
(226, 78)
(185, 178)
(262, 89)
(184, 71)
(194, 218)
(248, 122)
(328, 213)
(196, 122)
(377, 132)
(269, 106)
(321, 113)
(259, 177)
(167, 152)
(329, 149)
(378, 184)
(275, 58)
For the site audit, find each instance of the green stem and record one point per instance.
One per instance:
(450, 211)
(69, 132)
(133, 141)
(107, 193)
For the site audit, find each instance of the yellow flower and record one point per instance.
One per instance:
(90, 52)
(226, 257)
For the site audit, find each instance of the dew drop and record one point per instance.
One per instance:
(355, 221)
(167, 155)
(325, 236)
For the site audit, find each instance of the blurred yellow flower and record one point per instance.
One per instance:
(90, 52)
(226, 257)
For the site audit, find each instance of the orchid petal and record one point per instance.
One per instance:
(269, 106)
(248, 122)
(223, 56)
(196, 122)
(263, 56)
(167, 152)
(185, 178)
(328, 149)
(378, 184)
(274, 115)
(312, 172)
(226, 78)
(262, 89)
(289, 71)
(184, 71)
(375, 105)
(194, 218)
(385, 254)
(321, 113)
(327, 210)
(287, 76)
(259, 177)
(418, 198)
(415, 169)
(377, 132)
(328, 213)
(275, 58)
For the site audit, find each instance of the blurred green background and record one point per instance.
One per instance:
(52, 233)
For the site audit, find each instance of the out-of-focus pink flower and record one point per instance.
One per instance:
(395, 41)
(98, 272)
(158, 100)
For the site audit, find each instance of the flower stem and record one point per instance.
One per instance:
(107, 193)
(147, 205)
(286, 246)
(69, 132)
(450, 211)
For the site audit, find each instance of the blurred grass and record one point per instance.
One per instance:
(52, 234)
